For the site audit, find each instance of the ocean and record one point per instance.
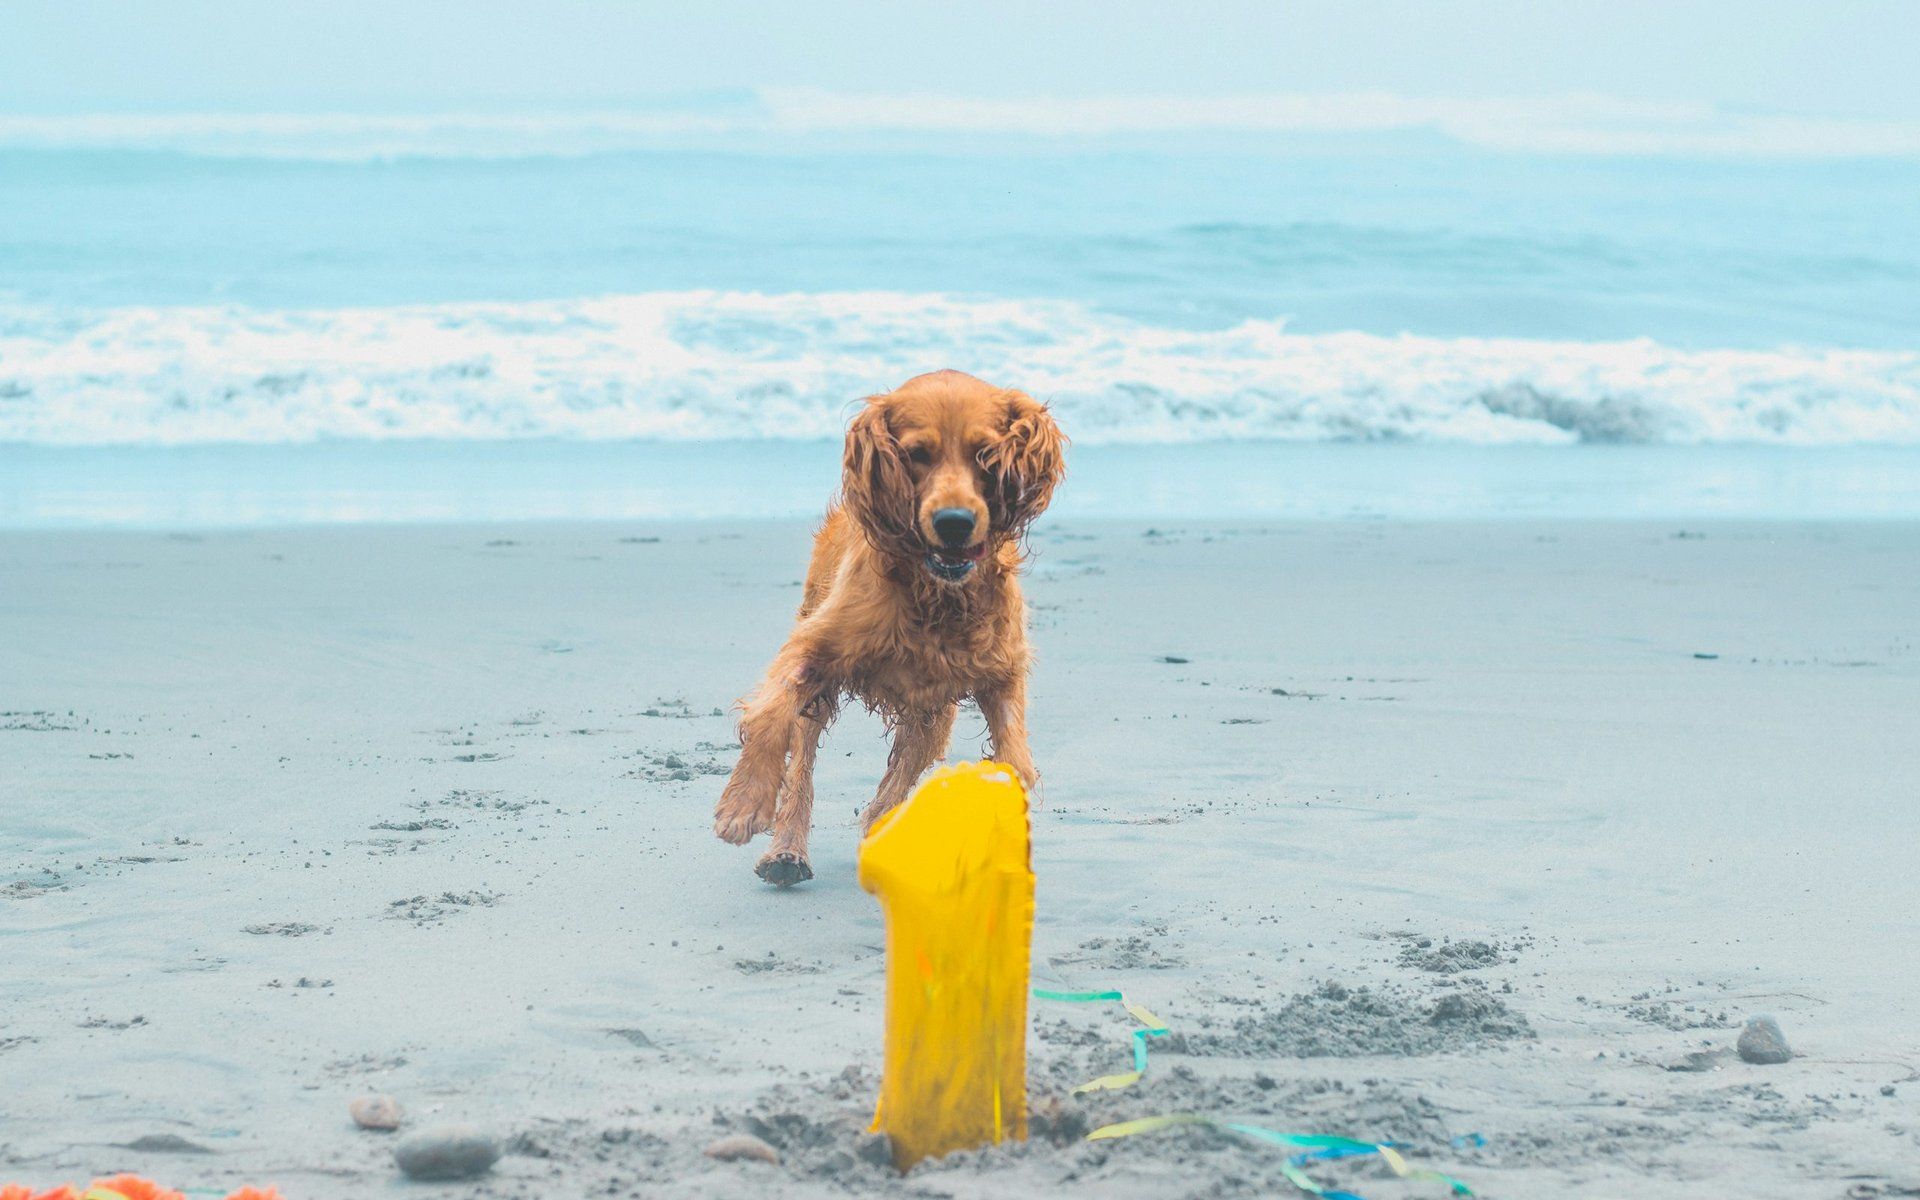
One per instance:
(363, 292)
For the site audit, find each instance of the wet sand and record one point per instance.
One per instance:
(1409, 831)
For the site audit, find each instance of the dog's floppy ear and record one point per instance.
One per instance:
(875, 482)
(1026, 462)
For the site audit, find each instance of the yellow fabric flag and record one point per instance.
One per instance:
(953, 872)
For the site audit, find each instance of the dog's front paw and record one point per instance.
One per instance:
(745, 809)
(783, 868)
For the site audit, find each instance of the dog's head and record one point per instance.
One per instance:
(947, 467)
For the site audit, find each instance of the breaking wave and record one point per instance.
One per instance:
(717, 365)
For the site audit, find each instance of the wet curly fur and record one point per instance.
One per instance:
(897, 617)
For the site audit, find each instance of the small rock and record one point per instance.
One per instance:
(445, 1152)
(1762, 1042)
(375, 1112)
(740, 1146)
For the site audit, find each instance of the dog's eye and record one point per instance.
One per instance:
(919, 456)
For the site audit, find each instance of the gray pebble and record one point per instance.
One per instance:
(1762, 1042)
(445, 1152)
(739, 1146)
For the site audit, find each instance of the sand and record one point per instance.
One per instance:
(1408, 831)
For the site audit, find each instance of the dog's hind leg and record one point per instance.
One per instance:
(785, 863)
(919, 741)
(767, 728)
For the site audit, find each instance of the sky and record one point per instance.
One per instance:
(1834, 58)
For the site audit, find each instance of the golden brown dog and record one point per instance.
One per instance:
(912, 604)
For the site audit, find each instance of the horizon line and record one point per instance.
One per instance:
(1575, 124)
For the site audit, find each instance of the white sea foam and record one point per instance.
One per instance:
(712, 365)
(1576, 124)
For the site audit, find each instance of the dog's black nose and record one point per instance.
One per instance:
(953, 526)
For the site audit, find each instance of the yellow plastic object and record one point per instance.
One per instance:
(954, 876)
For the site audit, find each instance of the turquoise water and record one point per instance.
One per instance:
(1441, 242)
(1210, 292)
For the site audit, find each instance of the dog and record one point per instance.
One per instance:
(911, 604)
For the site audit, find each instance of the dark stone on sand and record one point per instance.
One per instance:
(446, 1152)
(1762, 1042)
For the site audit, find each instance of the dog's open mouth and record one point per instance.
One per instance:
(956, 564)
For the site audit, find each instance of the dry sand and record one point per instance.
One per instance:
(1409, 831)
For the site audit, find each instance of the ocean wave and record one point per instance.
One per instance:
(1573, 124)
(717, 365)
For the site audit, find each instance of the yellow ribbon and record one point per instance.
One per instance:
(1153, 1027)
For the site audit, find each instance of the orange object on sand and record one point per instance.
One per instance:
(129, 1187)
(953, 872)
(122, 1187)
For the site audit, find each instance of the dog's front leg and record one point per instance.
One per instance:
(768, 725)
(1005, 708)
(918, 742)
(785, 863)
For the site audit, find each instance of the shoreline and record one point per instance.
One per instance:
(419, 482)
